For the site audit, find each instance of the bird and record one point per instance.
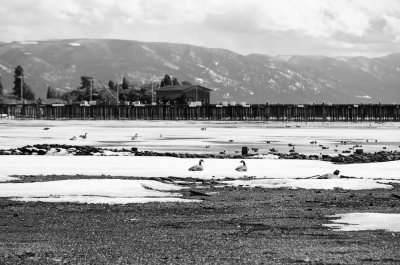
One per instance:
(47, 128)
(198, 167)
(72, 138)
(83, 136)
(242, 168)
(330, 175)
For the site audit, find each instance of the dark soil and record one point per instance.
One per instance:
(232, 226)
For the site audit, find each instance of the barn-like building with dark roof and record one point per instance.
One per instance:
(184, 94)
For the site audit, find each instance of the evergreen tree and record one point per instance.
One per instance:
(86, 82)
(26, 89)
(125, 83)
(175, 82)
(1, 88)
(167, 80)
(18, 76)
(111, 85)
(28, 93)
(50, 92)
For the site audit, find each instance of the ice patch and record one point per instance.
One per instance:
(93, 191)
(6, 178)
(322, 184)
(366, 221)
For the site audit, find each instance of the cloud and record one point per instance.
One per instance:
(263, 26)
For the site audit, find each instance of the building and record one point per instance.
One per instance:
(183, 94)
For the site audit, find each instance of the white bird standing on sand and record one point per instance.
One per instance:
(242, 167)
(198, 167)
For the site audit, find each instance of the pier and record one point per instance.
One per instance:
(212, 112)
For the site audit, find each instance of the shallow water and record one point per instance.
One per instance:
(188, 136)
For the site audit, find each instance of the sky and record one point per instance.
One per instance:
(274, 27)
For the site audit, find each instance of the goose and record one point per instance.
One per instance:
(83, 136)
(335, 175)
(198, 167)
(72, 138)
(242, 167)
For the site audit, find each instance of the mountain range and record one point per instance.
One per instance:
(252, 78)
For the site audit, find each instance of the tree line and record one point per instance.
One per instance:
(91, 90)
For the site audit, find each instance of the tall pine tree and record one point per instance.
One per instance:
(1, 88)
(26, 89)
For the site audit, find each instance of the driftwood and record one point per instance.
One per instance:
(396, 196)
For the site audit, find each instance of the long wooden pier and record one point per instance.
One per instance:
(264, 112)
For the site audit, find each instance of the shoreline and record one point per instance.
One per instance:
(234, 225)
(78, 150)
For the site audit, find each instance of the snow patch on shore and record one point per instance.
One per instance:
(366, 221)
(7, 178)
(139, 166)
(111, 191)
(322, 184)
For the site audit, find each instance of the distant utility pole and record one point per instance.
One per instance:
(91, 89)
(118, 96)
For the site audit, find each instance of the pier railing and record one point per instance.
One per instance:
(260, 112)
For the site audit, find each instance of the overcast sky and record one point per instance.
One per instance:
(274, 27)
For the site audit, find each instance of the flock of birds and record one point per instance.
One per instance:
(243, 167)
(199, 167)
(83, 136)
